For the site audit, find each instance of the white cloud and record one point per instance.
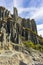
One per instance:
(40, 33)
(35, 13)
(20, 10)
(18, 3)
(38, 14)
(40, 29)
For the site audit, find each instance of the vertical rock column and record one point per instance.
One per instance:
(34, 29)
(15, 16)
(4, 35)
(15, 19)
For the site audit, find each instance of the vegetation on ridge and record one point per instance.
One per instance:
(30, 44)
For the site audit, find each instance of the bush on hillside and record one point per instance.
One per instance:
(30, 44)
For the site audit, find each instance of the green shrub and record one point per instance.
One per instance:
(30, 44)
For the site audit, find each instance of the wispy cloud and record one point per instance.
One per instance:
(28, 9)
(38, 14)
(18, 3)
(40, 29)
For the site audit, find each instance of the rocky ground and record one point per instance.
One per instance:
(31, 57)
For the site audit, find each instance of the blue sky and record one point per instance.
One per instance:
(27, 9)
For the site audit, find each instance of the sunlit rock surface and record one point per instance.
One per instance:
(33, 57)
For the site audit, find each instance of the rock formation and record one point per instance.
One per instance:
(11, 27)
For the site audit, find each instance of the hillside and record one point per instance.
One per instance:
(31, 57)
(19, 41)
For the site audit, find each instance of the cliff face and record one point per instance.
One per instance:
(12, 28)
(26, 23)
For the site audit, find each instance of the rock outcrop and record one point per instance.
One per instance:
(15, 30)
(12, 27)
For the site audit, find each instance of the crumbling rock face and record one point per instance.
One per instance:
(11, 30)
(12, 27)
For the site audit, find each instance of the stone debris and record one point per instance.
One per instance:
(19, 58)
